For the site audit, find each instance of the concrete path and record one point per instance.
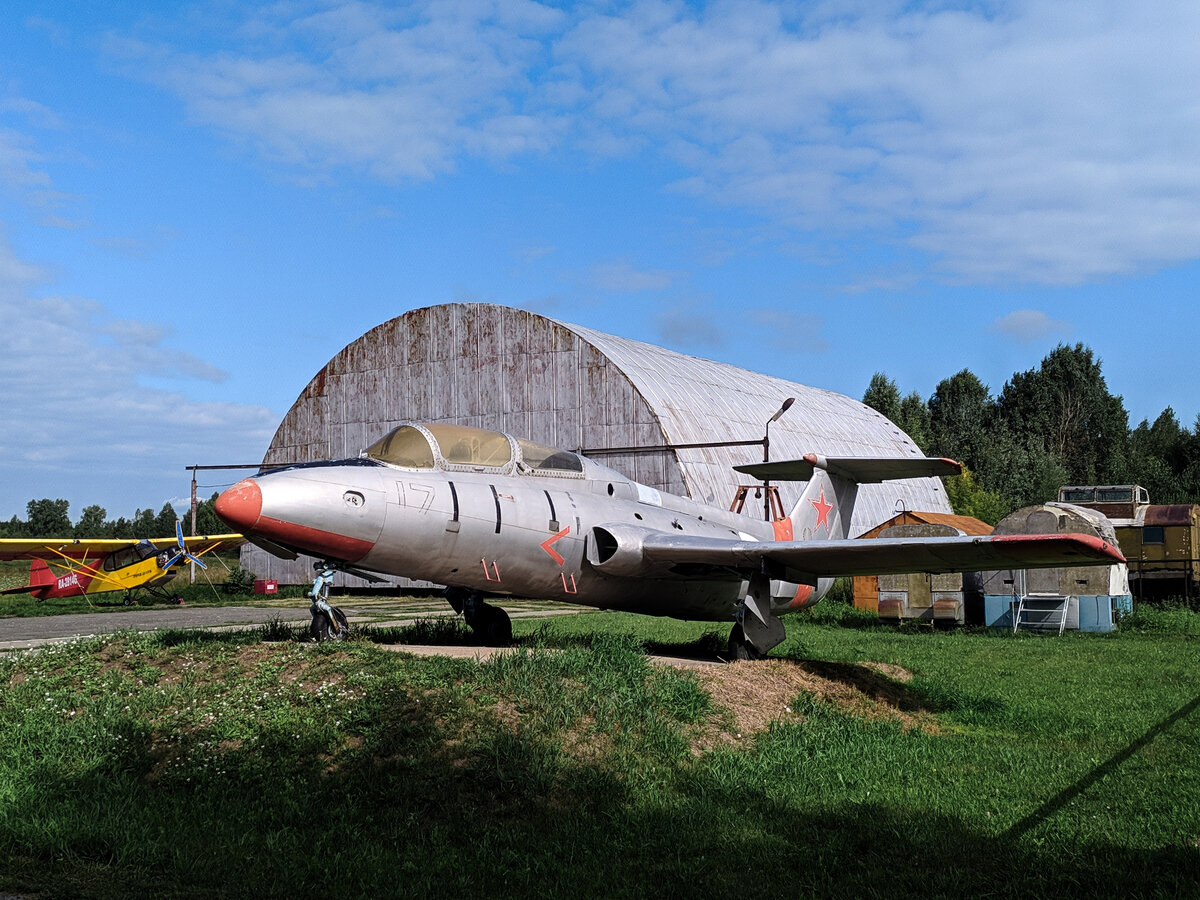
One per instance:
(23, 633)
(26, 633)
(19, 634)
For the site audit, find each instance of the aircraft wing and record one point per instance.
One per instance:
(805, 560)
(91, 548)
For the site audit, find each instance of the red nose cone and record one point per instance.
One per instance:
(241, 505)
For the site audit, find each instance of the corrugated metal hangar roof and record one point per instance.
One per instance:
(576, 388)
(699, 400)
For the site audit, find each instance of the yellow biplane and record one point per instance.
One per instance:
(74, 567)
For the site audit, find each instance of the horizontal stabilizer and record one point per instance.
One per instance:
(805, 560)
(859, 469)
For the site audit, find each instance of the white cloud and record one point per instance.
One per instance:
(1026, 326)
(1047, 141)
(22, 165)
(81, 421)
(1052, 142)
(620, 276)
(791, 330)
(400, 93)
(689, 327)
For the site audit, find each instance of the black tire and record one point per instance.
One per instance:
(739, 647)
(491, 625)
(501, 631)
(321, 629)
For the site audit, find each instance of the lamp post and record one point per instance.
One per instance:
(767, 454)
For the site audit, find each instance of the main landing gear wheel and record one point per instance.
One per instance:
(490, 624)
(740, 648)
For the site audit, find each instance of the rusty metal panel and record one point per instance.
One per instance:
(490, 393)
(443, 391)
(386, 346)
(517, 423)
(541, 426)
(1174, 514)
(359, 436)
(567, 429)
(479, 336)
(651, 470)
(566, 379)
(516, 331)
(416, 339)
(541, 336)
(593, 393)
(439, 328)
(595, 436)
(420, 394)
(516, 386)
(467, 399)
(540, 377)
(362, 393)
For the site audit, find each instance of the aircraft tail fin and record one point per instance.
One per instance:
(40, 574)
(826, 506)
(41, 580)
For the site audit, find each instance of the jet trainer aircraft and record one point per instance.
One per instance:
(66, 567)
(489, 514)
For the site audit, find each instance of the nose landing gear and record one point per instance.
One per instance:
(328, 622)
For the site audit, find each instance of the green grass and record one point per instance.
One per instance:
(186, 764)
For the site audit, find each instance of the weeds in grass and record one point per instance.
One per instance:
(440, 630)
(276, 630)
(1167, 619)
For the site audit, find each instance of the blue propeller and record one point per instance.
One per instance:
(183, 551)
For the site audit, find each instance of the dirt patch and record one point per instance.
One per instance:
(757, 693)
(891, 670)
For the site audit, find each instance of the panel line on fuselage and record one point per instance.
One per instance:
(496, 500)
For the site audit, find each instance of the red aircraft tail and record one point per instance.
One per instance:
(41, 581)
(41, 577)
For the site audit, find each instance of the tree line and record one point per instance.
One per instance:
(52, 519)
(1053, 425)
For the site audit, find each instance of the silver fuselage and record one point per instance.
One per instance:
(526, 535)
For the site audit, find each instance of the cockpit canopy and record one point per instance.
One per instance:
(461, 448)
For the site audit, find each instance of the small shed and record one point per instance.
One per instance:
(1061, 598)
(951, 597)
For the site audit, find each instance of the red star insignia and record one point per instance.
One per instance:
(823, 509)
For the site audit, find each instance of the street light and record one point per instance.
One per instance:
(787, 404)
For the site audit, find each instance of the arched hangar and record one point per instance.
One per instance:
(627, 404)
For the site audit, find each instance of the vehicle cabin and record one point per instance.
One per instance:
(1161, 543)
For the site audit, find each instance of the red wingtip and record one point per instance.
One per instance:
(1098, 546)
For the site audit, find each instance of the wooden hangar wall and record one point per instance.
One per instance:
(571, 387)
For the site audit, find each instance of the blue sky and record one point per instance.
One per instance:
(201, 203)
